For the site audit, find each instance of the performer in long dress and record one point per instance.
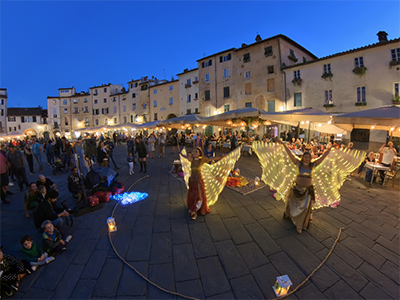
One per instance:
(205, 182)
(305, 184)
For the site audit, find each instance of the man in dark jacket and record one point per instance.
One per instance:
(111, 147)
(48, 210)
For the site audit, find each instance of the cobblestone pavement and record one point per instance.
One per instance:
(237, 251)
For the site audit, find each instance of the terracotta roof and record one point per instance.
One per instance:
(24, 111)
(215, 54)
(346, 52)
(168, 82)
(100, 86)
(184, 72)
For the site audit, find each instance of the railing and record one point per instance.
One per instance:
(188, 85)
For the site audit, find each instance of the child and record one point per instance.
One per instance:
(33, 253)
(52, 241)
(42, 191)
(130, 159)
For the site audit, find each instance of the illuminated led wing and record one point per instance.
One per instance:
(330, 174)
(216, 175)
(186, 167)
(279, 171)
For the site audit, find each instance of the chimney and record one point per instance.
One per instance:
(382, 36)
(258, 38)
(244, 45)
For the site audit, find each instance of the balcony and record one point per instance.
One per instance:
(87, 124)
(56, 126)
(196, 80)
(188, 85)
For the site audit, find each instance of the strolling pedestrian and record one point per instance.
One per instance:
(37, 152)
(142, 153)
(17, 165)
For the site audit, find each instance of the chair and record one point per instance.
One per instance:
(392, 175)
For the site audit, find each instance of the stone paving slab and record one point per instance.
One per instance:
(236, 252)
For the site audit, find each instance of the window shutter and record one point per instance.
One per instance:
(229, 56)
(220, 59)
(210, 62)
(202, 64)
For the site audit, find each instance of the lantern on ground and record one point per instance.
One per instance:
(282, 285)
(257, 180)
(112, 226)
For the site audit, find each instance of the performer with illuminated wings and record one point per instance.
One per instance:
(305, 184)
(205, 182)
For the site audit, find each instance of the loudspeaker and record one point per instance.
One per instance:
(90, 147)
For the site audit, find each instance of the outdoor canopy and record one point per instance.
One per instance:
(382, 118)
(186, 119)
(152, 124)
(221, 119)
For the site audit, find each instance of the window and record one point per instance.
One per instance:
(106, 121)
(189, 82)
(225, 58)
(76, 110)
(196, 110)
(196, 79)
(171, 87)
(23, 120)
(188, 99)
(131, 85)
(155, 117)
(133, 95)
(304, 59)
(104, 111)
(359, 62)
(207, 95)
(248, 104)
(11, 119)
(75, 101)
(247, 88)
(208, 111)
(207, 77)
(270, 85)
(131, 118)
(134, 106)
(105, 100)
(105, 90)
(396, 54)
(291, 53)
(66, 121)
(196, 96)
(268, 51)
(155, 91)
(188, 111)
(97, 121)
(144, 87)
(96, 111)
(247, 75)
(226, 73)
(296, 74)
(65, 102)
(361, 94)
(155, 103)
(297, 99)
(206, 63)
(86, 109)
(135, 84)
(226, 107)
(328, 97)
(115, 110)
(95, 101)
(86, 120)
(54, 112)
(65, 110)
(124, 108)
(270, 70)
(396, 89)
(85, 100)
(125, 119)
(114, 99)
(115, 120)
(95, 92)
(327, 68)
(171, 101)
(226, 92)
(271, 105)
(246, 57)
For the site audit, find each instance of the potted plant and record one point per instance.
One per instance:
(396, 99)
(297, 81)
(360, 71)
(326, 76)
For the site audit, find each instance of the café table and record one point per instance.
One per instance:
(375, 167)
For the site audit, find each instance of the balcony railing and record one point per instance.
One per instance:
(87, 124)
(188, 85)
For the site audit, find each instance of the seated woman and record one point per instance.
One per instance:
(209, 152)
(368, 172)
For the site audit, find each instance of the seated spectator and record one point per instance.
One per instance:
(12, 271)
(31, 199)
(52, 239)
(209, 152)
(48, 183)
(42, 193)
(33, 253)
(75, 184)
(48, 210)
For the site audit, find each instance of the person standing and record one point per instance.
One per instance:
(37, 152)
(50, 153)
(388, 154)
(174, 142)
(151, 142)
(29, 156)
(161, 145)
(102, 155)
(142, 153)
(111, 147)
(4, 179)
(17, 165)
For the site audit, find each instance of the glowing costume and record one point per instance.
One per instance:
(205, 182)
(279, 172)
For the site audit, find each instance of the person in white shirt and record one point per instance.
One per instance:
(388, 155)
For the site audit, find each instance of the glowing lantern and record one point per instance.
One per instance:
(229, 122)
(391, 129)
(372, 127)
(111, 225)
(302, 122)
(169, 129)
(257, 181)
(282, 285)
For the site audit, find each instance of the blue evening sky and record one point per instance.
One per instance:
(46, 45)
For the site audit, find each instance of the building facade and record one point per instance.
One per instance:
(164, 100)
(3, 111)
(359, 79)
(27, 122)
(188, 92)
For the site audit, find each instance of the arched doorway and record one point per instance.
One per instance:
(30, 133)
(46, 135)
(171, 116)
